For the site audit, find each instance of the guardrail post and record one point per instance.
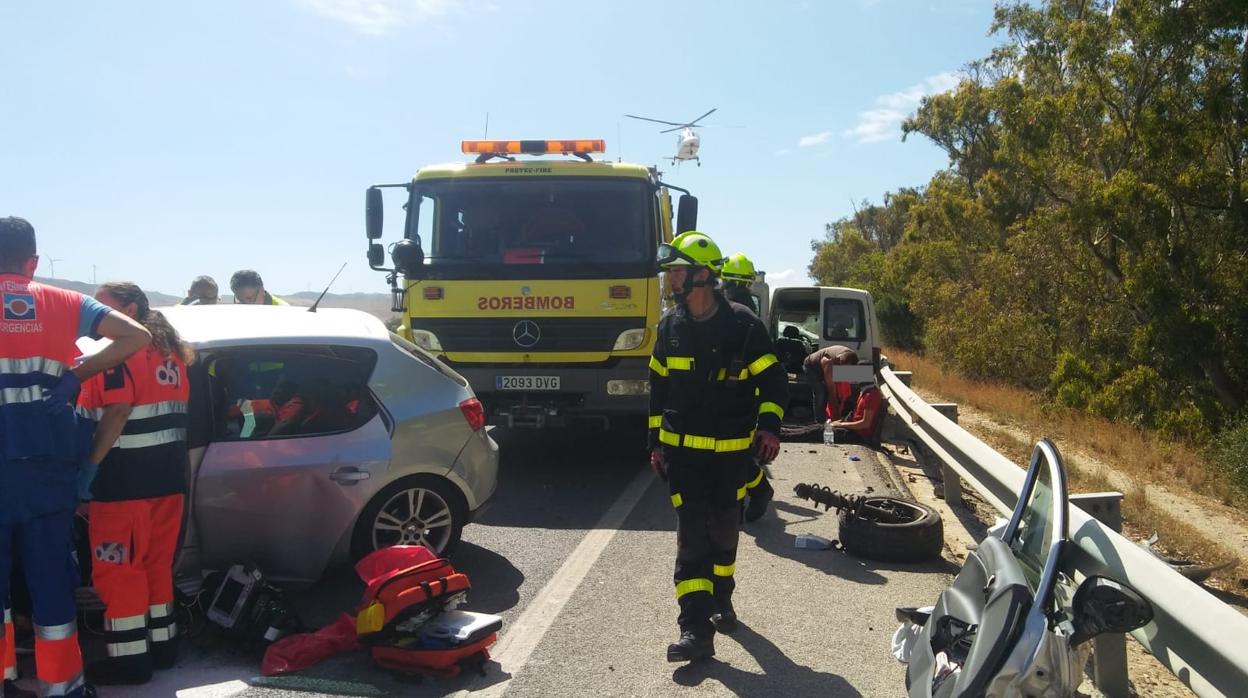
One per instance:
(952, 487)
(1109, 652)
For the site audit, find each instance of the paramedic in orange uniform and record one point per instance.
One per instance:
(40, 448)
(137, 493)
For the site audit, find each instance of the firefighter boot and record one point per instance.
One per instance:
(725, 619)
(760, 497)
(692, 646)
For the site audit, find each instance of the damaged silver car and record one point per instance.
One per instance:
(318, 437)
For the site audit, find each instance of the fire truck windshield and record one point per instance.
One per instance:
(550, 227)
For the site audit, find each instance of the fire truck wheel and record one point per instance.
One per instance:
(892, 530)
(418, 510)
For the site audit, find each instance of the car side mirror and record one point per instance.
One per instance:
(376, 255)
(408, 258)
(686, 214)
(1103, 605)
(373, 208)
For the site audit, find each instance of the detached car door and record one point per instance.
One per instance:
(1002, 594)
(298, 446)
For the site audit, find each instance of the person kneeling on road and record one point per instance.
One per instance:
(707, 422)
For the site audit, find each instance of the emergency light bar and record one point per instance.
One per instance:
(596, 145)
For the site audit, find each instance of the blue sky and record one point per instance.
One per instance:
(158, 140)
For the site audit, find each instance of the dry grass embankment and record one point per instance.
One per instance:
(1142, 456)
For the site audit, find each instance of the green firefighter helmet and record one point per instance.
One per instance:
(738, 268)
(691, 249)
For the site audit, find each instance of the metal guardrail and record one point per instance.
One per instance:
(1200, 639)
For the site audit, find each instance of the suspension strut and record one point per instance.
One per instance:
(879, 509)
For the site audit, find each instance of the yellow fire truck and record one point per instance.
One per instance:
(534, 278)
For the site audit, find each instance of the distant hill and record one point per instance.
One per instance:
(377, 304)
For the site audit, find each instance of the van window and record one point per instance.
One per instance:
(844, 319)
(278, 392)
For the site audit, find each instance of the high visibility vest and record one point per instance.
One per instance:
(38, 327)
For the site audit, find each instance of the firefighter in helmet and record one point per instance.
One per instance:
(717, 396)
(738, 273)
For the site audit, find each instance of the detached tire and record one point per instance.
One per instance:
(917, 539)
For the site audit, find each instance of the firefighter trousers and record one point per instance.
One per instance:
(707, 496)
(133, 544)
(36, 518)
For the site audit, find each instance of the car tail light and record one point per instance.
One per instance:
(621, 292)
(474, 412)
(433, 293)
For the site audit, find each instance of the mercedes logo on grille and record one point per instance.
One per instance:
(526, 333)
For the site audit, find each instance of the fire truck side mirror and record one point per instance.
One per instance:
(686, 214)
(372, 214)
(376, 255)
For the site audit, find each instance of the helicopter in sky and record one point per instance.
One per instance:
(687, 142)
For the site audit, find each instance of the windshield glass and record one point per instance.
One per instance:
(537, 227)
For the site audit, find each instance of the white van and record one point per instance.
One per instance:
(804, 319)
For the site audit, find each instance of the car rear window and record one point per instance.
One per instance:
(844, 319)
(427, 359)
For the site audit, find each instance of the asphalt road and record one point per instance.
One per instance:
(576, 554)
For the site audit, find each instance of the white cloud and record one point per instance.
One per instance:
(884, 122)
(377, 17)
(783, 151)
(780, 278)
(817, 139)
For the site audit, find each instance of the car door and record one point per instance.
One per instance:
(298, 447)
(1001, 597)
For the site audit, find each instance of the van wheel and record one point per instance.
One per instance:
(892, 530)
(421, 510)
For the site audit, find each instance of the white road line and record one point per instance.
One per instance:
(515, 647)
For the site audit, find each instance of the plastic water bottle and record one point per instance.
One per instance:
(829, 434)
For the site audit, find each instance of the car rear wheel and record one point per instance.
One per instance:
(422, 510)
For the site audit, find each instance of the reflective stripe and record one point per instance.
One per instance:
(723, 373)
(33, 364)
(8, 616)
(762, 363)
(164, 634)
(656, 421)
(690, 586)
(156, 438)
(727, 445)
(158, 409)
(9, 673)
(89, 413)
(52, 633)
(740, 494)
(127, 649)
(159, 610)
(117, 625)
(757, 479)
(680, 363)
(61, 688)
(705, 443)
(724, 570)
(18, 396)
(771, 408)
(658, 367)
(677, 500)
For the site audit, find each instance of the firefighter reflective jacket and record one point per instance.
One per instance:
(713, 383)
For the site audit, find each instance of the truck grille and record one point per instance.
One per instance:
(553, 334)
